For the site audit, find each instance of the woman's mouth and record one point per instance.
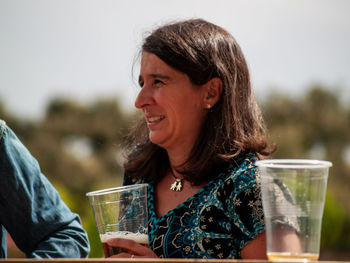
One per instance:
(155, 119)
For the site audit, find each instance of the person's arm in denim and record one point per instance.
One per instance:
(31, 210)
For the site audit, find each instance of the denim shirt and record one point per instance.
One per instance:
(31, 210)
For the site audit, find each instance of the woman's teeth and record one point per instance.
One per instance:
(155, 119)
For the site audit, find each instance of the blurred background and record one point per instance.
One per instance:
(67, 86)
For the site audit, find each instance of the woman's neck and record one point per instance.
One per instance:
(177, 157)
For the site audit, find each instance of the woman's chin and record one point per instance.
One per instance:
(160, 141)
(156, 139)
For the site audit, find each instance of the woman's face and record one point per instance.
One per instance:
(173, 107)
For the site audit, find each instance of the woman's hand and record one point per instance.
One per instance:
(131, 248)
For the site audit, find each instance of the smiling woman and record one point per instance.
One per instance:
(196, 146)
(173, 106)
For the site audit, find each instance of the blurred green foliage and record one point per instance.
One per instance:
(78, 148)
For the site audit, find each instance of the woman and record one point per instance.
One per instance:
(196, 146)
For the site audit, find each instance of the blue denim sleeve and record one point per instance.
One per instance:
(31, 209)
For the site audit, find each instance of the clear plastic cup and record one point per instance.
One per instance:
(120, 212)
(293, 196)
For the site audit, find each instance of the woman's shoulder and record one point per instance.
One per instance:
(242, 167)
(240, 175)
(237, 189)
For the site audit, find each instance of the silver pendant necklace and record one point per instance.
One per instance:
(177, 185)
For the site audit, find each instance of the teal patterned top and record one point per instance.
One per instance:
(216, 222)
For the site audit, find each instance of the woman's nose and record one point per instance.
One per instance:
(144, 98)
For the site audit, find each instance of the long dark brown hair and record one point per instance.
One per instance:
(234, 126)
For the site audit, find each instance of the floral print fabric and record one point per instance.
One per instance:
(216, 222)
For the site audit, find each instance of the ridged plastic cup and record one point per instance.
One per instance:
(293, 196)
(120, 212)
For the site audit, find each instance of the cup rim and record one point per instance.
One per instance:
(294, 163)
(116, 189)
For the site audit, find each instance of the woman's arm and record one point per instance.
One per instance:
(288, 240)
(255, 249)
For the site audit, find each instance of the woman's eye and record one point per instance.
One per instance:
(158, 82)
(141, 84)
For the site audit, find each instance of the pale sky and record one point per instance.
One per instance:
(85, 48)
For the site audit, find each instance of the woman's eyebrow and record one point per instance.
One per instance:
(160, 76)
(155, 75)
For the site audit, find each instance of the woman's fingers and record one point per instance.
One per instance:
(131, 248)
(123, 255)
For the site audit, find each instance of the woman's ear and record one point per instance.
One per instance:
(213, 92)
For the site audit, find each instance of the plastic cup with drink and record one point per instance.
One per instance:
(120, 212)
(293, 196)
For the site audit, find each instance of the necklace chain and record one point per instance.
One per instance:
(177, 185)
